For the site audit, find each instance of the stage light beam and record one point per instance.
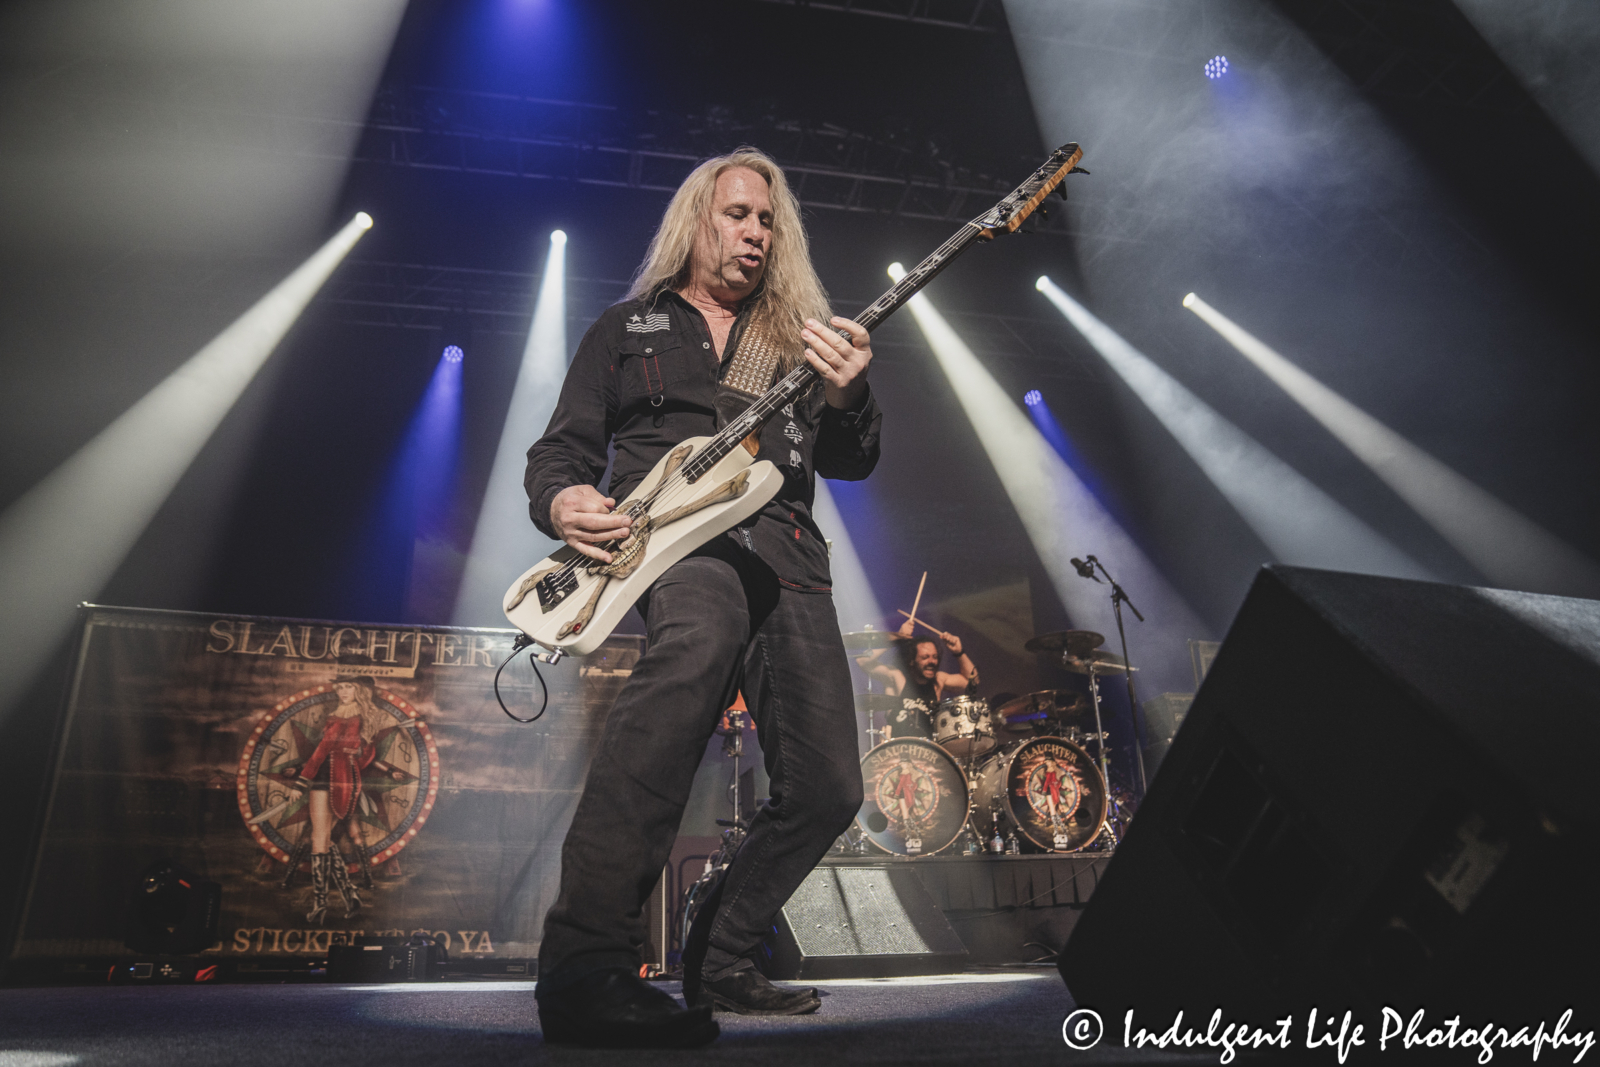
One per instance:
(1296, 520)
(62, 540)
(1061, 516)
(504, 541)
(853, 599)
(1503, 545)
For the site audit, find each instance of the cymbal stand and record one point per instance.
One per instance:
(1119, 597)
(1099, 727)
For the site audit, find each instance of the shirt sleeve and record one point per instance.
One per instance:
(847, 441)
(573, 448)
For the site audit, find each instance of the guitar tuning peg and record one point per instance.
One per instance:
(1061, 191)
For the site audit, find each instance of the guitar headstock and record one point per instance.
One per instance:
(1025, 199)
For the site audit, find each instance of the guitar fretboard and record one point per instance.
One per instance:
(797, 381)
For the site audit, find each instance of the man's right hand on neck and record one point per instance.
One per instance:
(584, 519)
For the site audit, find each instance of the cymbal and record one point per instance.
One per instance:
(1098, 661)
(1045, 704)
(866, 640)
(1072, 642)
(871, 702)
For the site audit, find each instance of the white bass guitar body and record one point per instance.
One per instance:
(590, 598)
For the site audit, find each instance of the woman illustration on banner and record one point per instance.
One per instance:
(332, 776)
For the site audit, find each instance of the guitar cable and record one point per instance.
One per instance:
(522, 641)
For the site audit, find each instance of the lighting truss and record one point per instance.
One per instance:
(982, 16)
(890, 173)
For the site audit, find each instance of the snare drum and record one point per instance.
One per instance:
(915, 797)
(964, 726)
(1046, 789)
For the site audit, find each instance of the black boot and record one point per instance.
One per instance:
(339, 876)
(745, 991)
(748, 992)
(320, 862)
(617, 1009)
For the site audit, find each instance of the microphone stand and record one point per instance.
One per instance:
(1119, 597)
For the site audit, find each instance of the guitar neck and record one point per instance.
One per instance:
(797, 381)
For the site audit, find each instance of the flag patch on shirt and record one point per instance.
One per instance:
(648, 323)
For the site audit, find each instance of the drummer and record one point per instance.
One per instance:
(917, 679)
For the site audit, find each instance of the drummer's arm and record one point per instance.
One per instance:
(968, 676)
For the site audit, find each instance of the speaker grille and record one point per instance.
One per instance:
(871, 922)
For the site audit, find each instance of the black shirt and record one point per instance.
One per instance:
(914, 717)
(645, 378)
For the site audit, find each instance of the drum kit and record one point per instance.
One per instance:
(1016, 775)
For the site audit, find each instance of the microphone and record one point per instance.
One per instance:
(1085, 570)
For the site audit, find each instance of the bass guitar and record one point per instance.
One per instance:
(568, 603)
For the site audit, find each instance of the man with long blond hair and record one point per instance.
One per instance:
(725, 300)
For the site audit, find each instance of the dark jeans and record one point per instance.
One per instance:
(717, 621)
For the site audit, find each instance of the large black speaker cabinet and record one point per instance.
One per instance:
(1385, 792)
(874, 921)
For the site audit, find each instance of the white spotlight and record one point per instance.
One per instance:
(363, 220)
(1507, 548)
(852, 593)
(62, 540)
(1299, 522)
(1062, 517)
(504, 542)
(896, 271)
(1041, 283)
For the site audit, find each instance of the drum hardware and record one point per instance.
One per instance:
(869, 704)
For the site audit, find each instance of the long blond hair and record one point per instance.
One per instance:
(790, 291)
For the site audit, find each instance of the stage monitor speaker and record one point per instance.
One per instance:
(1384, 793)
(874, 921)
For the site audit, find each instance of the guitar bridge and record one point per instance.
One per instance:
(555, 587)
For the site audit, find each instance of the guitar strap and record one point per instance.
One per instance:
(748, 373)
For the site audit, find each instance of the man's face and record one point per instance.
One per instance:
(732, 256)
(927, 662)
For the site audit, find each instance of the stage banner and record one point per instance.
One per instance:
(185, 736)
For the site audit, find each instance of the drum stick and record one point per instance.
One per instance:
(913, 614)
(919, 622)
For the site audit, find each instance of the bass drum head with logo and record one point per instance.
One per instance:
(1047, 789)
(916, 797)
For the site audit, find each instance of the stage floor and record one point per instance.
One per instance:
(1001, 1015)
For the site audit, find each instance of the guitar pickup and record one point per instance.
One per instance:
(555, 587)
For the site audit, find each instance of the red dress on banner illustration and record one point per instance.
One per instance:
(346, 756)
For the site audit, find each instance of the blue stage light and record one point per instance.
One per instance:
(453, 354)
(1032, 398)
(1216, 67)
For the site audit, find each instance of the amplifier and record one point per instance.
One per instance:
(868, 921)
(373, 959)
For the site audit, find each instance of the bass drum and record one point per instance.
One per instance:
(915, 797)
(1045, 789)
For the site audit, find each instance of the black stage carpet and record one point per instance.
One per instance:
(999, 1016)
